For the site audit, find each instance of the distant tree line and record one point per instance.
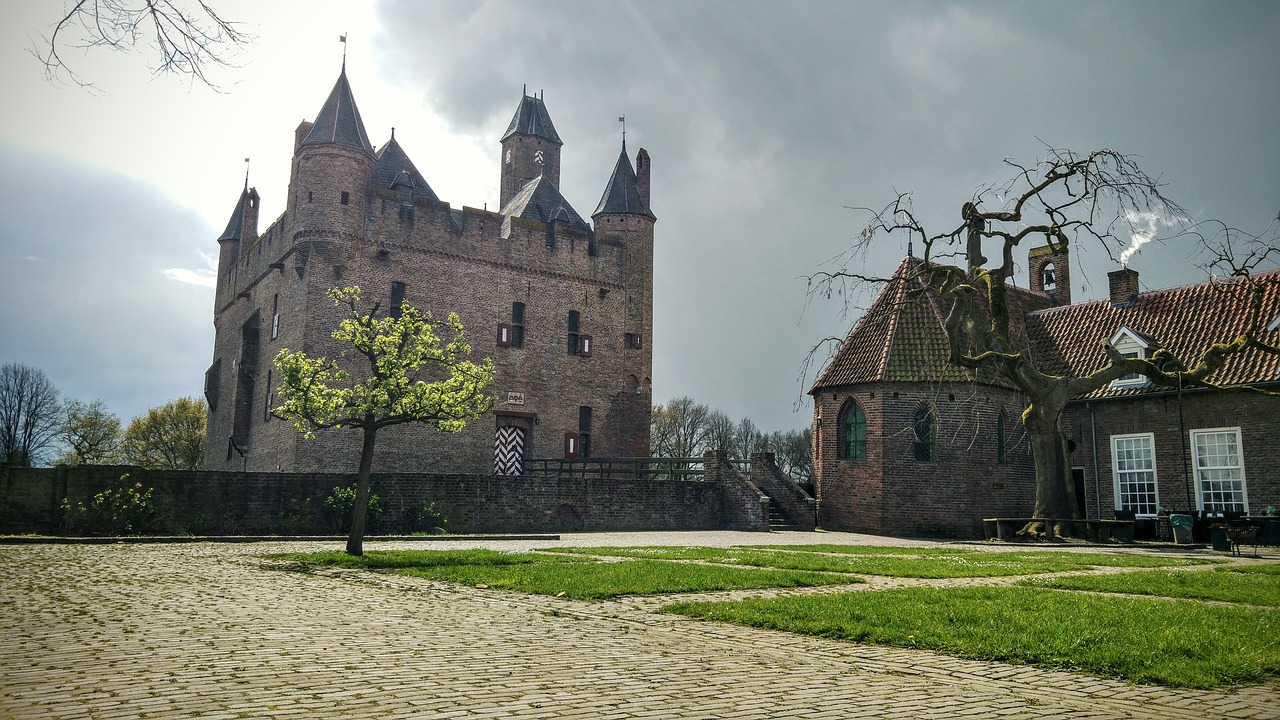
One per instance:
(685, 428)
(38, 428)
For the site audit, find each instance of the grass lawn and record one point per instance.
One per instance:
(1181, 644)
(1230, 585)
(933, 565)
(574, 577)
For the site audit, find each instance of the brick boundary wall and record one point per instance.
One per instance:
(200, 503)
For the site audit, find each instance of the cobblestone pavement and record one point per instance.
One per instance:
(207, 630)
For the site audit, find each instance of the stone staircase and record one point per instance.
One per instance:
(780, 522)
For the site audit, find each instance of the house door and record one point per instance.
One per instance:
(508, 451)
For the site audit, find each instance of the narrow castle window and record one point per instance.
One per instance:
(925, 442)
(397, 299)
(517, 324)
(584, 431)
(275, 317)
(346, 198)
(573, 332)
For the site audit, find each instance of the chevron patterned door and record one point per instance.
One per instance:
(508, 451)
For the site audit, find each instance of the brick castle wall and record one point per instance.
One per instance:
(252, 503)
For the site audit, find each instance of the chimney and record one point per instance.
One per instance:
(304, 128)
(642, 175)
(1050, 272)
(1124, 287)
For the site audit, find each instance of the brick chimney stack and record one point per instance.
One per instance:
(1124, 287)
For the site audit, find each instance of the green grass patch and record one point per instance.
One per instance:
(1235, 587)
(575, 577)
(936, 565)
(1179, 644)
(1271, 569)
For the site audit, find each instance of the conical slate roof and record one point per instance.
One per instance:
(622, 194)
(338, 121)
(393, 164)
(236, 224)
(532, 118)
(540, 200)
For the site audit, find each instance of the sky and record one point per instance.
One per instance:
(767, 123)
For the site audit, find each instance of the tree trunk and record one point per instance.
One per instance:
(355, 541)
(1055, 493)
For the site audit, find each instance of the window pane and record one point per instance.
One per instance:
(1219, 472)
(1135, 470)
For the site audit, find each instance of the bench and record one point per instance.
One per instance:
(1006, 528)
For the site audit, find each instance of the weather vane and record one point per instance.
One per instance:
(623, 119)
(343, 39)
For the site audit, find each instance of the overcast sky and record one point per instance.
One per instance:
(765, 122)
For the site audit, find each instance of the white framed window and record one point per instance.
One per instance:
(1219, 464)
(1132, 346)
(1133, 469)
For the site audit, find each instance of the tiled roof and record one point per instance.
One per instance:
(1185, 320)
(622, 194)
(532, 118)
(338, 121)
(540, 200)
(393, 164)
(902, 337)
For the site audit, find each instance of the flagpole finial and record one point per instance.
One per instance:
(343, 39)
(246, 174)
(623, 119)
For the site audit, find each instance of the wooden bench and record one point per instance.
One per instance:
(1006, 528)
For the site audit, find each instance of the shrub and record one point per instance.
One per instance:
(340, 507)
(426, 518)
(123, 508)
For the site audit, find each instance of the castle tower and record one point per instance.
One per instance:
(242, 230)
(333, 163)
(530, 148)
(623, 216)
(1050, 271)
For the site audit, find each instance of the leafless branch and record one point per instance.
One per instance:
(189, 37)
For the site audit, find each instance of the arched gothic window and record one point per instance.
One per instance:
(853, 433)
(925, 427)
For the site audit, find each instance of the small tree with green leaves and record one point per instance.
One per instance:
(408, 374)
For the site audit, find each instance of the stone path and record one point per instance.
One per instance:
(211, 631)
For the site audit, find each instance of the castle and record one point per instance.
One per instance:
(563, 306)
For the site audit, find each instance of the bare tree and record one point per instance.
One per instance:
(747, 438)
(719, 431)
(188, 36)
(1103, 198)
(30, 415)
(679, 428)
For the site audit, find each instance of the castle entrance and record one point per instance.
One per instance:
(508, 450)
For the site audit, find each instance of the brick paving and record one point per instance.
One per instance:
(209, 630)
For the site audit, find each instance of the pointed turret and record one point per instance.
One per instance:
(530, 149)
(242, 227)
(623, 194)
(338, 121)
(395, 169)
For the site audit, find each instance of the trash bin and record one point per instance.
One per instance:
(1181, 525)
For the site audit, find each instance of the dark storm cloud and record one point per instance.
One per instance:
(766, 119)
(84, 294)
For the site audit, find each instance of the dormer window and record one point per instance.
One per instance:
(1133, 346)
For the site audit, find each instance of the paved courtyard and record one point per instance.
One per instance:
(210, 630)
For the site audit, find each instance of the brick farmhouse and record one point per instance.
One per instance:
(906, 444)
